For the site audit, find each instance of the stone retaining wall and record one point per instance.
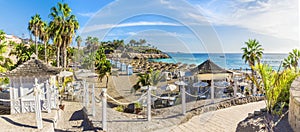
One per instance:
(294, 108)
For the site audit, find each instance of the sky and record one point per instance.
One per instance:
(205, 26)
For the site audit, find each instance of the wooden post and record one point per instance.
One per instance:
(93, 101)
(54, 95)
(48, 96)
(22, 109)
(212, 89)
(149, 103)
(87, 95)
(104, 103)
(183, 102)
(235, 87)
(38, 112)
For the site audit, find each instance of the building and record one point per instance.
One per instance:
(12, 38)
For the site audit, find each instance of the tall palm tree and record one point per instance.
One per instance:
(103, 66)
(252, 54)
(45, 36)
(292, 60)
(132, 42)
(35, 25)
(64, 26)
(142, 41)
(78, 40)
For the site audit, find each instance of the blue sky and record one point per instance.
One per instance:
(181, 25)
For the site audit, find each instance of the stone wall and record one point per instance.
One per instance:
(294, 108)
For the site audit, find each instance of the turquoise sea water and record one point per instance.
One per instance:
(225, 60)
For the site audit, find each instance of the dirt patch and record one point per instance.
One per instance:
(265, 122)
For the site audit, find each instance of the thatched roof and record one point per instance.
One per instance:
(209, 67)
(33, 67)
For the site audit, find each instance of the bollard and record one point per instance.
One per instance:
(212, 90)
(87, 100)
(93, 101)
(183, 102)
(235, 87)
(38, 105)
(149, 104)
(48, 95)
(104, 103)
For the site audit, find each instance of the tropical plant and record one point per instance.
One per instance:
(63, 26)
(45, 38)
(252, 55)
(132, 42)
(5, 63)
(276, 85)
(147, 79)
(102, 65)
(22, 52)
(35, 26)
(78, 40)
(292, 61)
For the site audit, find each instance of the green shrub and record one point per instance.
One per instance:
(120, 108)
(276, 86)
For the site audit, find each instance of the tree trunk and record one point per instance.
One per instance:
(65, 56)
(107, 80)
(57, 57)
(45, 46)
(36, 47)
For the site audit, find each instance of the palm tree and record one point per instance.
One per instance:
(142, 41)
(64, 26)
(292, 60)
(78, 40)
(252, 55)
(132, 42)
(45, 38)
(103, 66)
(35, 25)
(151, 78)
(88, 42)
(22, 52)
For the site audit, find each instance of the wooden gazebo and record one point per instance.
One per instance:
(22, 81)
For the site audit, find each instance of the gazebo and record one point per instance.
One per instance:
(208, 70)
(22, 81)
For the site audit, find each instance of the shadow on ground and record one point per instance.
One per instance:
(18, 124)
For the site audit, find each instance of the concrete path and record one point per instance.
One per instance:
(224, 120)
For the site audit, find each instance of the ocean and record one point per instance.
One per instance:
(225, 60)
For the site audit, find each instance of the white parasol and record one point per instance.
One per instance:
(180, 83)
(65, 74)
(169, 87)
(200, 84)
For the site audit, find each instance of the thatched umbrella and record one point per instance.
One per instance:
(208, 70)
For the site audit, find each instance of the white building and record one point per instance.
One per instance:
(12, 38)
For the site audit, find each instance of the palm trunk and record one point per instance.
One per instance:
(106, 81)
(36, 46)
(45, 46)
(57, 57)
(65, 56)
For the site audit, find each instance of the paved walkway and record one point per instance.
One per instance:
(224, 120)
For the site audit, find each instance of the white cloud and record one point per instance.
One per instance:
(277, 18)
(131, 24)
(88, 14)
